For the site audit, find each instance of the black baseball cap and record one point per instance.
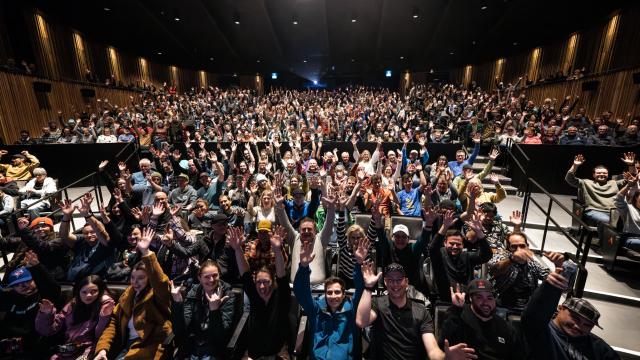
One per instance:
(480, 285)
(583, 308)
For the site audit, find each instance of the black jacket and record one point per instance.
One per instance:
(545, 341)
(202, 331)
(493, 339)
(205, 249)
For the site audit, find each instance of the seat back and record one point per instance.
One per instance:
(413, 223)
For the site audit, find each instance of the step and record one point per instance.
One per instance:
(510, 190)
(504, 180)
(478, 167)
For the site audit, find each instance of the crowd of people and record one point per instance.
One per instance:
(188, 226)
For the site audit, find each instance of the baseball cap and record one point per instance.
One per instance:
(219, 218)
(297, 191)
(479, 285)
(264, 225)
(261, 177)
(203, 174)
(183, 176)
(41, 220)
(19, 156)
(19, 275)
(583, 308)
(394, 267)
(467, 167)
(401, 228)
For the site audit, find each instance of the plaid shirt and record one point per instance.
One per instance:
(528, 273)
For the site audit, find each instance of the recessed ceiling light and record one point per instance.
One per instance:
(473, 42)
(258, 61)
(451, 53)
(304, 61)
(354, 20)
(353, 60)
(211, 58)
(484, 7)
(107, 8)
(176, 18)
(515, 43)
(295, 22)
(235, 75)
(237, 22)
(159, 52)
(401, 57)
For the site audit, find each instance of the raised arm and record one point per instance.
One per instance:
(235, 238)
(365, 316)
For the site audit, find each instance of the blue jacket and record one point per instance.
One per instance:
(333, 333)
(456, 167)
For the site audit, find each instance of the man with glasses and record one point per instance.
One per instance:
(515, 273)
(402, 328)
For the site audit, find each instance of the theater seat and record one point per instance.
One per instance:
(413, 223)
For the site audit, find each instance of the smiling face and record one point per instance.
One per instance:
(453, 245)
(396, 284)
(483, 304)
(600, 175)
(264, 285)
(139, 280)
(335, 295)
(89, 293)
(571, 323)
(25, 288)
(209, 278)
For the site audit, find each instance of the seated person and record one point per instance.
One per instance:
(598, 193)
(7, 205)
(568, 334)
(329, 341)
(451, 265)
(201, 215)
(8, 185)
(628, 204)
(35, 189)
(82, 320)
(28, 286)
(202, 319)
(475, 324)
(269, 297)
(141, 321)
(401, 327)
(184, 195)
(19, 169)
(515, 272)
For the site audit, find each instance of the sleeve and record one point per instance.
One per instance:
(327, 229)
(539, 311)
(483, 255)
(110, 332)
(341, 229)
(571, 179)
(103, 319)
(621, 204)
(302, 290)
(500, 194)
(358, 282)
(474, 154)
(486, 170)
(181, 315)
(47, 286)
(48, 324)
(159, 281)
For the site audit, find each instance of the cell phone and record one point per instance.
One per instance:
(569, 271)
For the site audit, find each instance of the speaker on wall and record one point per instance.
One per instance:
(636, 78)
(39, 86)
(590, 85)
(88, 93)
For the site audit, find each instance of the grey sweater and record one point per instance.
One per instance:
(630, 215)
(596, 196)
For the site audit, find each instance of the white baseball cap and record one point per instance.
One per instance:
(401, 228)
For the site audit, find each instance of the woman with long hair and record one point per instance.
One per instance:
(83, 319)
(203, 318)
(141, 322)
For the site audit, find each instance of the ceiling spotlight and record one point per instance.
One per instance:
(315, 82)
(106, 8)
(354, 20)
(159, 52)
(416, 13)
(430, 71)
(211, 58)
(258, 61)
(515, 43)
(236, 19)
(401, 57)
(304, 61)
(295, 20)
(451, 53)
(473, 42)
(235, 75)
(353, 60)
(483, 7)
(176, 16)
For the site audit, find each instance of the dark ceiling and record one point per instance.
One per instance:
(326, 39)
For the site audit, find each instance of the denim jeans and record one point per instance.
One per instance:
(597, 216)
(632, 242)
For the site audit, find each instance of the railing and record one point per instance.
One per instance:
(94, 176)
(582, 243)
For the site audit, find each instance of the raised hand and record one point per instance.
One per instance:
(376, 216)
(306, 253)
(102, 355)
(578, 160)
(556, 258)
(457, 297)
(175, 210)
(522, 255)
(67, 208)
(103, 214)
(158, 209)
(277, 237)
(556, 279)
(176, 292)
(493, 155)
(477, 138)
(216, 299)
(429, 215)
(85, 204)
(458, 351)
(369, 276)
(516, 218)
(449, 219)
(235, 237)
(23, 223)
(145, 240)
(30, 259)
(493, 177)
(629, 158)
(136, 213)
(146, 215)
(361, 250)
(47, 307)
(103, 164)
(122, 166)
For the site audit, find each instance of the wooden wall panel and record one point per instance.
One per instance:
(22, 108)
